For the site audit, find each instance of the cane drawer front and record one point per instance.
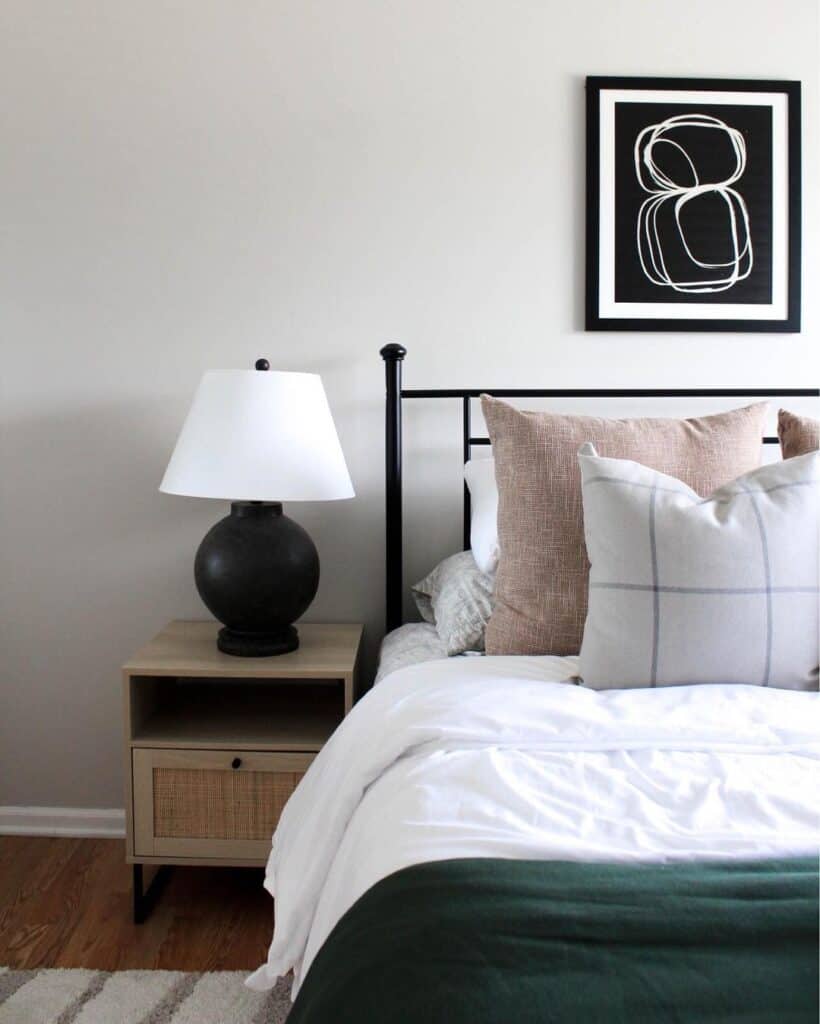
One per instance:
(222, 804)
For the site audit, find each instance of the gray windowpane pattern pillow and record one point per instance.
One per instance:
(689, 590)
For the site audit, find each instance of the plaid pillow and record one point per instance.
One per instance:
(691, 590)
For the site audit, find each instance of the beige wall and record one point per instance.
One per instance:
(188, 185)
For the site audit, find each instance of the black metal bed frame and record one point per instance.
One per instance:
(393, 356)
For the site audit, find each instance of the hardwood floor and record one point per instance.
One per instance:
(67, 903)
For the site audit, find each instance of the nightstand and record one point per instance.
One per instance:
(215, 744)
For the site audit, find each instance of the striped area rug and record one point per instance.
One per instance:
(137, 997)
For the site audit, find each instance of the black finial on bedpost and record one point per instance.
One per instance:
(394, 597)
(393, 352)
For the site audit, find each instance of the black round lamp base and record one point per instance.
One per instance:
(257, 572)
(257, 645)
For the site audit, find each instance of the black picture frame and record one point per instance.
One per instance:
(627, 292)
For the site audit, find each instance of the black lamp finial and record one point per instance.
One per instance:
(261, 364)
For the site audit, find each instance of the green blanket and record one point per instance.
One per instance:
(513, 942)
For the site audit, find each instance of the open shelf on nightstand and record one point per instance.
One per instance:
(248, 714)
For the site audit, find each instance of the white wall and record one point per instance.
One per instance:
(188, 185)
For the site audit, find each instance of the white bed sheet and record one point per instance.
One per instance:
(410, 644)
(502, 757)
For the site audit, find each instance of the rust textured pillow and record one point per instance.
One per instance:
(542, 580)
(798, 435)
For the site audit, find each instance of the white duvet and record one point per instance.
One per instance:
(502, 757)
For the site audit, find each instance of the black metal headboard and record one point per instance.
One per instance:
(393, 356)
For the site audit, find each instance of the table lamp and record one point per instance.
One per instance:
(258, 438)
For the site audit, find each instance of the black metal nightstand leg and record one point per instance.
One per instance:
(144, 900)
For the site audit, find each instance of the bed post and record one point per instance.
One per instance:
(394, 597)
(466, 443)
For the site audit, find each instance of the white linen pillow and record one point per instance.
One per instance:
(689, 590)
(457, 598)
(479, 475)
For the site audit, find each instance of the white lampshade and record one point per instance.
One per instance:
(259, 435)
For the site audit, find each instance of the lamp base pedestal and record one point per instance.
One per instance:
(257, 645)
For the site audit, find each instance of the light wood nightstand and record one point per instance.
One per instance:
(215, 744)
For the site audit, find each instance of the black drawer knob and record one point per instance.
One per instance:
(236, 763)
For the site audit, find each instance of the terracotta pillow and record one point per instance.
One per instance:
(798, 435)
(541, 585)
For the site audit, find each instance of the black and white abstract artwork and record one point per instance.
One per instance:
(693, 198)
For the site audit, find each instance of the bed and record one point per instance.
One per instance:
(484, 839)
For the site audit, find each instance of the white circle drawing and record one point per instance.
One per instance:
(663, 190)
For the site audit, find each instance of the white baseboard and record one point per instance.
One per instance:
(62, 821)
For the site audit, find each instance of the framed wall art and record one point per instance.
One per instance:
(693, 205)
